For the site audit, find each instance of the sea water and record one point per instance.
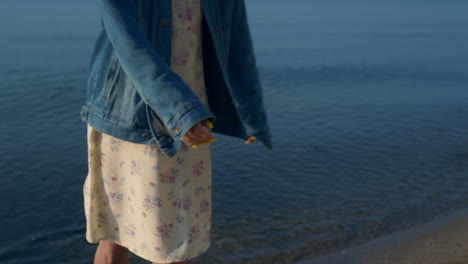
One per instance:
(367, 103)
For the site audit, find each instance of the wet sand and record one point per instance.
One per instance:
(442, 241)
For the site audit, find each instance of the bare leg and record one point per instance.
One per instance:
(110, 253)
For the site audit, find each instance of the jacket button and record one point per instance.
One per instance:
(146, 136)
(177, 129)
(163, 22)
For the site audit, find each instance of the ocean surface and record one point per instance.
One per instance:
(367, 102)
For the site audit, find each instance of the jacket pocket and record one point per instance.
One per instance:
(113, 92)
(157, 124)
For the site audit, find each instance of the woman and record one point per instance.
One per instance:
(148, 189)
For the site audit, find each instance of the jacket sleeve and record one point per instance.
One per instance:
(244, 75)
(160, 88)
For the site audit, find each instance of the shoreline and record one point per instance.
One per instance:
(441, 241)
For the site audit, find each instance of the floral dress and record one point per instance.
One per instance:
(158, 207)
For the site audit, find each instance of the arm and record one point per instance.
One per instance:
(244, 74)
(240, 32)
(159, 87)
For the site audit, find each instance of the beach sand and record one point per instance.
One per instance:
(442, 241)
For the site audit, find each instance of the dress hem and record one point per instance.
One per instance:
(96, 241)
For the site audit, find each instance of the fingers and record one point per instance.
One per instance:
(209, 124)
(250, 140)
(198, 134)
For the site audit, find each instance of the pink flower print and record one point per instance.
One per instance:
(171, 196)
(156, 167)
(136, 167)
(157, 249)
(144, 246)
(152, 151)
(180, 15)
(180, 160)
(151, 202)
(185, 183)
(184, 14)
(152, 184)
(204, 206)
(101, 158)
(184, 148)
(116, 197)
(179, 219)
(199, 190)
(183, 203)
(177, 7)
(102, 219)
(169, 176)
(180, 59)
(182, 257)
(199, 74)
(194, 233)
(163, 230)
(194, 28)
(197, 168)
(188, 13)
(115, 144)
(130, 230)
(206, 237)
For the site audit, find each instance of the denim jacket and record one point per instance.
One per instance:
(132, 93)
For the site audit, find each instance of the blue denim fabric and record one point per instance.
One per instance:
(133, 94)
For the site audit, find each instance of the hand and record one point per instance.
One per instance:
(200, 133)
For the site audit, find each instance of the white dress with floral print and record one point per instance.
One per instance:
(134, 195)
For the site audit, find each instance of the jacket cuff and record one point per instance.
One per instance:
(187, 116)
